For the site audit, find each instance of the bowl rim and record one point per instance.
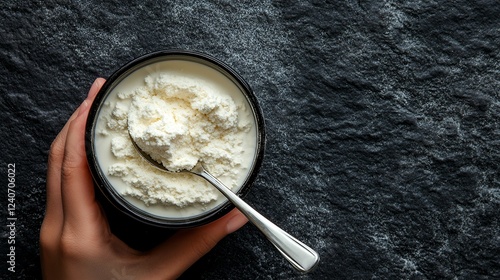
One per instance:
(110, 193)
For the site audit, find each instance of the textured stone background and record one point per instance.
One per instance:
(383, 123)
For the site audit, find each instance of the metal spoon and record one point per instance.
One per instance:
(301, 256)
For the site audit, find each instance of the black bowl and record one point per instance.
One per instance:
(117, 200)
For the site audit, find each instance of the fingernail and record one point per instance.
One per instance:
(93, 88)
(236, 222)
(83, 107)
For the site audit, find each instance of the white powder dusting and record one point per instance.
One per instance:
(178, 121)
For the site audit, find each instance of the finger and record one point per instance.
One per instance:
(94, 89)
(54, 215)
(53, 212)
(77, 193)
(183, 249)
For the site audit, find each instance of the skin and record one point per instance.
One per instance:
(75, 238)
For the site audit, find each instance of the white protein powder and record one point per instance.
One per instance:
(178, 120)
(179, 123)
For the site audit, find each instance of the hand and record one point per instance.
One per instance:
(75, 239)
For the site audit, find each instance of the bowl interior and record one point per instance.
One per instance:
(129, 77)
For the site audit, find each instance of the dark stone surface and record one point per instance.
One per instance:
(383, 123)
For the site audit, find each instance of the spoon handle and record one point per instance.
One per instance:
(301, 256)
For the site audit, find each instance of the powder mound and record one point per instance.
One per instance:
(179, 118)
(179, 123)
